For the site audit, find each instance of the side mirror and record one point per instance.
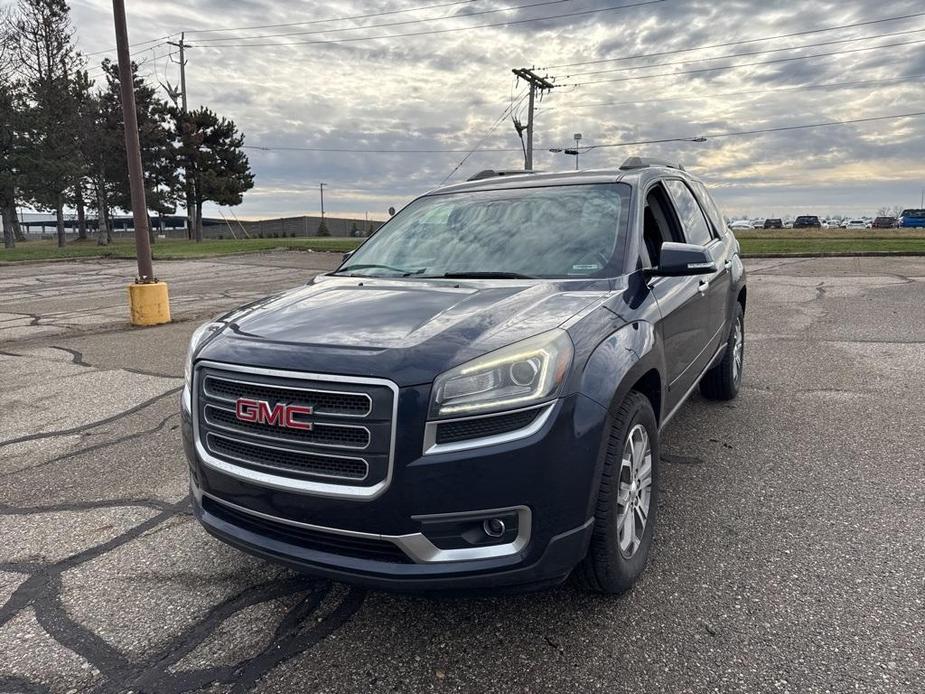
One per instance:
(682, 259)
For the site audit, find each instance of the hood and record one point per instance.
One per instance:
(406, 330)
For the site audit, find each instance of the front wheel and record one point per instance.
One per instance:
(625, 516)
(723, 380)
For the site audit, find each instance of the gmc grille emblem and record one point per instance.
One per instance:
(279, 415)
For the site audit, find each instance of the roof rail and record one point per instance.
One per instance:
(491, 173)
(642, 163)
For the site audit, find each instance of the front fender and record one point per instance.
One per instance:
(619, 362)
(611, 371)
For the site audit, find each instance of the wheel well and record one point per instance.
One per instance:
(741, 299)
(650, 385)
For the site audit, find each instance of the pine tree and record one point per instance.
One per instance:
(11, 123)
(211, 154)
(159, 152)
(42, 38)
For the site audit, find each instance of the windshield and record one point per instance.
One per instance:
(913, 213)
(550, 232)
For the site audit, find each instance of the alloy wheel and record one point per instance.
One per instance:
(635, 493)
(738, 345)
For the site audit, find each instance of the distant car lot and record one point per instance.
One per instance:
(765, 570)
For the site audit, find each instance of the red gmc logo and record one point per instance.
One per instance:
(280, 415)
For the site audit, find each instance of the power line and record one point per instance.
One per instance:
(808, 87)
(504, 114)
(708, 136)
(612, 8)
(98, 69)
(739, 55)
(360, 150)
(761, 131)
(741, 42)
(738, 65)
(334, 19)
(389, 24)
(133, 45)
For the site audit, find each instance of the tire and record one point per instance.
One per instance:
(723, 380)
(615, 558)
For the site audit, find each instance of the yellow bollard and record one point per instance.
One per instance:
(149, 303)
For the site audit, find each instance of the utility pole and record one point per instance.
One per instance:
(321, 188)
(148, 300)
(181, 44)
(191, 221)
(537, 84)
(577, 145)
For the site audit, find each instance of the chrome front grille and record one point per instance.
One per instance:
(347, 451)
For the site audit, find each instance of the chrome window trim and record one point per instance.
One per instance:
(270, 466)
(431, 447)
(415, 545)
(306, 390)
(288, 484)
(223, 427)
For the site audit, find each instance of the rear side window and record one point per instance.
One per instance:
(696, 229)
(711, 208)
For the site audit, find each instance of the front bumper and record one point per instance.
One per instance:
(549, 478)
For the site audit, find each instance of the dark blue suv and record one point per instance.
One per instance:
(474, 398)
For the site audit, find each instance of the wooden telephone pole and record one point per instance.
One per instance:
(133, 147)
(537, 84)
(148, 300)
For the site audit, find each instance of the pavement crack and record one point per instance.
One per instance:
(8, 510)
(95, 447)
(77, 357)
(91, 425)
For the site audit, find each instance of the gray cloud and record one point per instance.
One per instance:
(444, 91)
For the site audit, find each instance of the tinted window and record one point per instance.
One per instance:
(696, 229)
(913, 213)
(710, 207)
(555, 231)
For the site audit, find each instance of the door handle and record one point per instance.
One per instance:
(704, 286)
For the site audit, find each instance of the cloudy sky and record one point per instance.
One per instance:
(332, 84)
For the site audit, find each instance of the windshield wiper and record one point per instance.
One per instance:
(405, 272)
(485, 276)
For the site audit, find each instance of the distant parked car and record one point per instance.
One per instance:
(855, 224)
(740, 224)
(788, 224)
(773, 224)
(807, 221)
(912, 218)
(884, 223)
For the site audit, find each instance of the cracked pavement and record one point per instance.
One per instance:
(790, 553)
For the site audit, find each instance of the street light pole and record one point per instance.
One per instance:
(321, 188)
(148, 301)
(577, 141)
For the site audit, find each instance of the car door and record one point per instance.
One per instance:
(723, 250)
(682, 303)
(715, 287)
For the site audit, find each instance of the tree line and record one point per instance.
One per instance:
(62, 139)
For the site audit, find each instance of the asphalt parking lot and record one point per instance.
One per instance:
(790, 555)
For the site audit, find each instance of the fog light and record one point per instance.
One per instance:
(493, 527)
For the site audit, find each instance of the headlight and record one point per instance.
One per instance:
(199, 336)
(520, 375)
